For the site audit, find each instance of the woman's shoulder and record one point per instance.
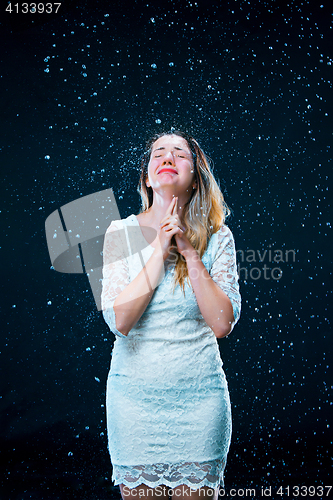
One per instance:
(224, 232)
(219, 240)
(115, 225)
(222, 241)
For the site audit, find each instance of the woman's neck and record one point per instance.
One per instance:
(154, 214)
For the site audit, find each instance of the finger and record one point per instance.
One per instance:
(165, 220)
(171, 230)
(170, 207)
(170, 218)
(168, 227)
(174, 221)
(175, 207)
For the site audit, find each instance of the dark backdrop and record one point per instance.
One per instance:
(81, 91)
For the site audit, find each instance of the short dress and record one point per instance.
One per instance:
(167, 403)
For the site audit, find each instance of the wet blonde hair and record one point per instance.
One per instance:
(206, 210)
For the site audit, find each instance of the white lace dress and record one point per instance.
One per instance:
(168, 407)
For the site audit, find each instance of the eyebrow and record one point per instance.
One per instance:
(175, 147)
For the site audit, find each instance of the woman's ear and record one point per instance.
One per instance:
(147, 182)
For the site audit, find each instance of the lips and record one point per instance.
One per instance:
(168, 170)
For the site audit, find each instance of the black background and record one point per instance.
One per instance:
(81, 91)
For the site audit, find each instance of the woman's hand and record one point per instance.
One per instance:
(171, 226)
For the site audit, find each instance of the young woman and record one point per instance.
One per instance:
(170, 288)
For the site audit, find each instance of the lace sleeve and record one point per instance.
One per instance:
(115, 271)
(224, 269)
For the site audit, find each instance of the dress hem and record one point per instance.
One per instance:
(164, 482)
(192, 474)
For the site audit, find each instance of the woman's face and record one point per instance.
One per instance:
(171, 166)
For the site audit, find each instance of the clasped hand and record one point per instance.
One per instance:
(170, 227)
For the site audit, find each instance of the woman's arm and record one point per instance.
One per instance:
(215, 305)
(130, 299)
(131, 303)
(123, 300)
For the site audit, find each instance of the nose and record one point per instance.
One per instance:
(168, 159)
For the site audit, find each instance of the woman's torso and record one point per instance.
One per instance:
(171, 342)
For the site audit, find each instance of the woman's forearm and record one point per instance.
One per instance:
(214, 304)
(134, 299)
